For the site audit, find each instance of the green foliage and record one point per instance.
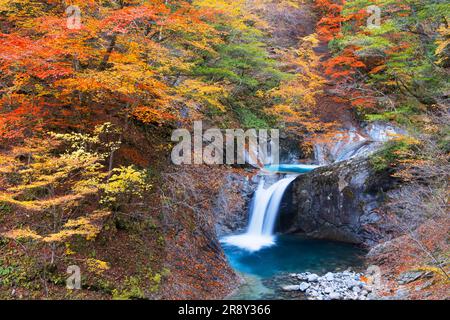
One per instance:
(250, 119)
(104, 286)
(245, 63)
(155, 281)
(444, 139)
(241, 63)
(130, 290)
(401, 115)
(14, 273)
(5, 271)
(393, 152)
(405, 46)
(5, 208)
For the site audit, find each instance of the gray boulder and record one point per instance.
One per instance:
(337, 202)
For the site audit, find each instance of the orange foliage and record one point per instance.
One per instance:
(123, 56)
(329, 26)
(343, 65)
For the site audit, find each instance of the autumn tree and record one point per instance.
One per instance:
(399, 56)
(125, 58)
(55, 187)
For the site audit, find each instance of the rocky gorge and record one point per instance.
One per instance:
(337, 202)
(342, 200)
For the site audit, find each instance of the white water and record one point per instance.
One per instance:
(264, 210)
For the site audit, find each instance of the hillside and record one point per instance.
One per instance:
(92, 93)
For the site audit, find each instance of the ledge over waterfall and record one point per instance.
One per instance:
(336, 202)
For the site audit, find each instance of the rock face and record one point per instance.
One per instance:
(355, 142)
(337, 202)
(231, 207)
(411, 276)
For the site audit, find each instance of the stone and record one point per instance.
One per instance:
(401, 294)
(372, 296)
(314, 293)
(328, 290)
(304, 285)
(336, 285)
(356, 289)
(345, 213)
(329, 276)
(303, 276)
(312, 277)
(334, 296)
(409, 276)
(424, 285)
(292, 287)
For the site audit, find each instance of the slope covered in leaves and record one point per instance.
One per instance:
(86, 113)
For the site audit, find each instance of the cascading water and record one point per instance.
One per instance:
(264, 210)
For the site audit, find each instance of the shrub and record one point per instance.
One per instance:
(393, 152)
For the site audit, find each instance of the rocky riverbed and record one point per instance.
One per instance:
(346, 285)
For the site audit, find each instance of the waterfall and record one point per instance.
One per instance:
(263, 214)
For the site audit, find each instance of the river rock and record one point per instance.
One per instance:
(334, 296)
(230, 208)
(329, 276)
(372, 296)
(303, 276)
(292, 287)
(312, 277)
(304, 286)
(332, 286)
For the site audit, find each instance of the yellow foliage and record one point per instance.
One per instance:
(443, 44)
(125, 181)
(97, 266)
(298, 95)
(88, 226)
(69, 250)
(196, 92)
(438, 271)
(19, 234)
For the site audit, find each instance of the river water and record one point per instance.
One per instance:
(267, 269)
